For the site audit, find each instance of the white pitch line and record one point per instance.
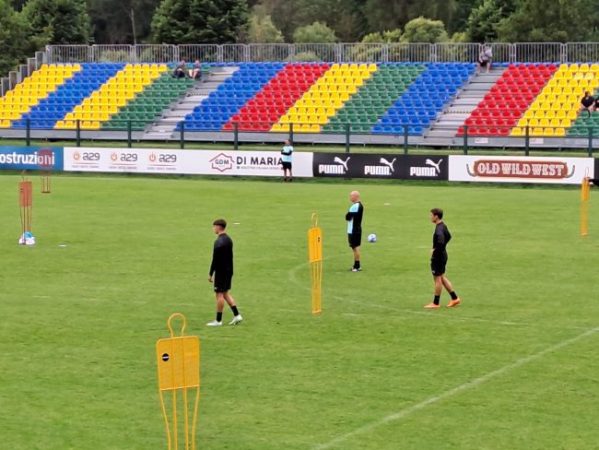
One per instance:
(451, 392)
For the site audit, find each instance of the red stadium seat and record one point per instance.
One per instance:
(275, 99)
(508, 99)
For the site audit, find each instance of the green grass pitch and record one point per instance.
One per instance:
(514, 367)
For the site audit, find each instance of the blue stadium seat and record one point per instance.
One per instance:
(68, 95)
(229, 97)
(425, 98)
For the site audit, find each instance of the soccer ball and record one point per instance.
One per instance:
(372, 238)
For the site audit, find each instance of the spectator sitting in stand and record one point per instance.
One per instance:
(587, 103)
(196, 72)
(181, 70)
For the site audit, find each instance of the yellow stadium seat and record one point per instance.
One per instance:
(536, 132)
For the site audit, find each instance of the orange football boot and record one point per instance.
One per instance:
(431, 306)
(454, 303)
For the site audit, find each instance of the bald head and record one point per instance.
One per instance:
(354, 196)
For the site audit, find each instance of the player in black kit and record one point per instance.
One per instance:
(441, 238)
(221, 274)
(354, 228)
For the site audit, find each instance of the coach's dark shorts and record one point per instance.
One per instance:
(438, 264)
(354, 239)
(222, 283)
(286, 165)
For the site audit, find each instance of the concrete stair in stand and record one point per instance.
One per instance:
(447, 124)
(164, 127)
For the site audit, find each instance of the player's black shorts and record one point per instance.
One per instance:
(354, 239)
(222, 283)
(286, 165)
(438, 264)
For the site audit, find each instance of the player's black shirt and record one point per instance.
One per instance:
(587, 101)
(354, 218)
(441, 238)
(222, 256)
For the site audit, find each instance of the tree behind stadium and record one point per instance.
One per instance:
(199, 21)
(60, 22)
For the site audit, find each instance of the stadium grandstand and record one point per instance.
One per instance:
(421, 93)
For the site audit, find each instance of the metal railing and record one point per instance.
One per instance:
(341, 52)
(466, 138)
(582, 52)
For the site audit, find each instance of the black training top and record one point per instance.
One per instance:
(222, 256)
(441, 238)
(587, 101)
(354, 218)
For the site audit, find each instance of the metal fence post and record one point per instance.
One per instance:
(182, 135)
(347, 136)
(78, 133)
(590, 149)
(405, 139)
(236, 136)
(527, 141)
(291, 132)
(28, 132)
(129, 143)
(465, 139)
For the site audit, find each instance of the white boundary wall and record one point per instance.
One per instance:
(191, 162)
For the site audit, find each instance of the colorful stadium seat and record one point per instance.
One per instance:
(148, 105)
(385, 98)
(281, 92)
(556, 108)
(112, 95)
(68, 95)
(32, 90)
(505, 103)
(215, 111)
(424, 99)
(325, 98)
(374, 98)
